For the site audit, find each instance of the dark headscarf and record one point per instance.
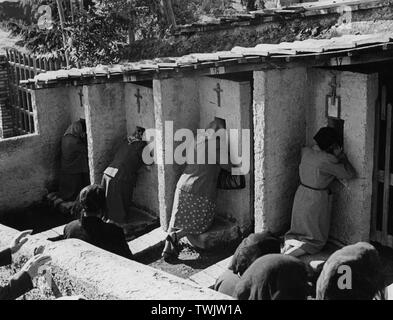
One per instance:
(251, 248)
(366, 270)
(274, 277)
(326, 137)
(92, 198)
(77, 129)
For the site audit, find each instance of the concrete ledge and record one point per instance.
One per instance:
(98, 274)
(207, 277)
(148, 241)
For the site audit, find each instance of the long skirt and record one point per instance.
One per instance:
(70, 185)
(192, 213)
(310, 223)
(118, 198)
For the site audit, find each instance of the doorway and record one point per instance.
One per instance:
(382, 224)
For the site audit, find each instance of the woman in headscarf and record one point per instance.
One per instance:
(319, 166)
(120, 177)
(194, 202)
(352, 273)
(74, 174)
(274, 277)
(250, 249)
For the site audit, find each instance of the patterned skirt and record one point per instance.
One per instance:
(192, 213)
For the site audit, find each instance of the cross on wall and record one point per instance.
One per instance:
(138, 97)
(218, 90)
(80, 94)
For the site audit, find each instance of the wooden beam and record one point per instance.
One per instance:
(376, 169)
(386, 188)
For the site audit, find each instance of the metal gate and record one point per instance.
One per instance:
(23, 67)
(382, 218)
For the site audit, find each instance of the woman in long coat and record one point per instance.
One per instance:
(194, 203)
(119, 178)
(319, 166)
(74, 175)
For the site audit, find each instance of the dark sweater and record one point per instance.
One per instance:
(93, 230)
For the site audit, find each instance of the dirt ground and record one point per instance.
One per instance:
(190, 262)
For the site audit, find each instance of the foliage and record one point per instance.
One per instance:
(100, 35)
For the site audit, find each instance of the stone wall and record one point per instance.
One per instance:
(106, 125)
(213, 37)
(30, 164)
(175, 101)
(82, 269)
(235, 109)
(146, 191)
(289, 108)
(280, 133)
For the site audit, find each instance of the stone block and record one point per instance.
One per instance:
(83, 269)
(207, 277)
(147, 242)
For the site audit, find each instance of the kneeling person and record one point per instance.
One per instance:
(92, 229)
(119, 178)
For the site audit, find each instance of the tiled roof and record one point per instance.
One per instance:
(284, 52)
(299, 10)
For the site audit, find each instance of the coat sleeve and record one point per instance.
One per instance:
(339, 170)
(18, 285)
(5, 257)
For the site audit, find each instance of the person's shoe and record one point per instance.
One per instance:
(295, 252)
(173, 253)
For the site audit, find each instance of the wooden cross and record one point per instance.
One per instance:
(218, 90)
(333, 85)
(80, 94)
(138, 97)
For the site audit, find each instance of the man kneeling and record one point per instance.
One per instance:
(92, 229)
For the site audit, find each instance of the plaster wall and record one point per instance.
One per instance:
(76, 106)
(351, 212)
(235, 109)
(29, 165)
(280, 132)
(146, 191)
(176, 100)
(106, 124)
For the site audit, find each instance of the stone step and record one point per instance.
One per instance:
(207, 277)
(148, 241)
(52, 233)
(222, 233)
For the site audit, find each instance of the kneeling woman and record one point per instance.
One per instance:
(194, 203)
(74, 161)
(319, 166)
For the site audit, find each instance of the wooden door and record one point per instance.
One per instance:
(382, 224)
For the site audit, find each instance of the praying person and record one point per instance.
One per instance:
(274, 277)
(319, 166)
(194, 204)
(250, 249)
(357, 269)
(119, 179)
(74, 173)
(92, 229)
(21, 282)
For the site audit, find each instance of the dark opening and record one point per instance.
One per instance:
(146, 83)
(338, 125)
